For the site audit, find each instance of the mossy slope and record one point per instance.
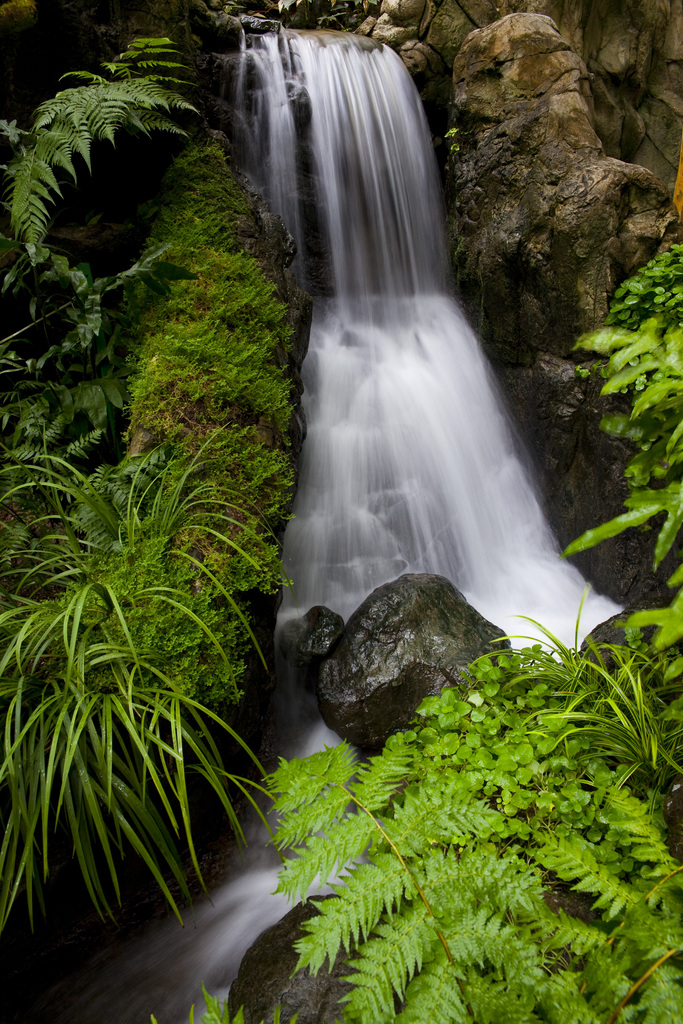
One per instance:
(210, 368)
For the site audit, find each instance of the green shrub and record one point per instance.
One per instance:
(447, 851)
(645, 360)
(111, 628)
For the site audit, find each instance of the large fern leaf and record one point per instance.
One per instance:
(66, 126)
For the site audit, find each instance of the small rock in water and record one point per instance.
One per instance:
(407, 640)
(257, 26)
(305, 641)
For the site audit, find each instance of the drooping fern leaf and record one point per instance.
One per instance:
(67, 125)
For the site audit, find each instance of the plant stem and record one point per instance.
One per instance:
(641, 981)
(33, 323)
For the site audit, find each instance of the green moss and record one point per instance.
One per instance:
(151, 584)
(17, 15)
(210, 367)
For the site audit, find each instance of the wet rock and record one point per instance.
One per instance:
(217, 29)
(305, 641)
(264, 981)
(580, 472)
(258, 26)
(408, 639)
(673, 817)
(613, 630)
(544, 226)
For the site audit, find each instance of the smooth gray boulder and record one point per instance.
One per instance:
(264, 980)
(407, 640)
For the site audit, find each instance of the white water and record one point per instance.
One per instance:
(409, 465)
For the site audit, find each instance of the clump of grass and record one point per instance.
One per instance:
(622, 700)
(102, 725)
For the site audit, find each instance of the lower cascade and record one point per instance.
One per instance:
(410, 464)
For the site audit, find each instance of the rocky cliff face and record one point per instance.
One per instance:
(632, 50)
(544, 225)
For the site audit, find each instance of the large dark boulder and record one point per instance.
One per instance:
(265, 980)
(407, 640)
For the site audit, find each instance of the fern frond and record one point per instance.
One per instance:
(68, 124)
(661, 999)
(389, 960)
(368, 891)
(381, 777)
(560, 1001)
(492, 1000)
(625, 813)
(299, 783)
(323, 856)
(573, 861)
(503, 885)
(434, 995)
(442, 812)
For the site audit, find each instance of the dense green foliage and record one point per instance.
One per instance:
(451, 847)
(644, 346)
(123, 634)
(137, 100)
(109, 634)
(65, 383)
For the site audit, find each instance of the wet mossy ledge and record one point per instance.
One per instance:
(17, 15)
(213, 381)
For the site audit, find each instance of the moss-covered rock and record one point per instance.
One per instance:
(211, 374)
(17, 15)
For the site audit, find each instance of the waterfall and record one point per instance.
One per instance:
(410, 464)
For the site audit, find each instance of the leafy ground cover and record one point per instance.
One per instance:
(491, 863)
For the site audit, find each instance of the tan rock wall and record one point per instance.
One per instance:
(633, 50)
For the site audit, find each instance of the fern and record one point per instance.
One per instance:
(572, 861)
(66, 126)
(442, 911)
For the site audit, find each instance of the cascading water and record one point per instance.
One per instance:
(409, 463)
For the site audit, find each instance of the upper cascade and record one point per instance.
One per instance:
(410, 463)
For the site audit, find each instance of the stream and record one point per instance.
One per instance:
(410, 463)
